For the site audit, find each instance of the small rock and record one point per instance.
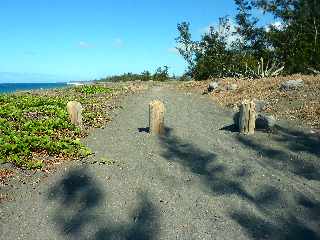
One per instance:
(264, 121)
(232, 87)
(292, 85)
(213, 86)
(260, 105)
(312, 131)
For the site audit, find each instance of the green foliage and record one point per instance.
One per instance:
(93, 89)
(186, 46)
(35, 164)
(256, 50)
(212, 56)
(161, 74)
(36, 125)
(145, 76)
(297, 43)
(123, 78)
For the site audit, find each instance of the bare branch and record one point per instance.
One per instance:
(313, 70)
(277, 72)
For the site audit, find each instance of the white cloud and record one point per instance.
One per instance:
(229, 31)
(277, 25)
(173, 50)
(83, 44)
(118, 43)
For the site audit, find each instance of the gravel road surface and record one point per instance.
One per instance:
(200, 180)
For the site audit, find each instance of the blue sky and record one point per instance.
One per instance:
(50, 40)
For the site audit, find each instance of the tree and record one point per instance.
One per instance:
(161, 74)
(261, 50)
(185, 45)
(213, 55)
(297, 42)
(145, 75)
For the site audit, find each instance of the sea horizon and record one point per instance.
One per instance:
(14, 87)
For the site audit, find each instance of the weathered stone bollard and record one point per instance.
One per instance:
(156, 117)
(75, 112)
(247, 118)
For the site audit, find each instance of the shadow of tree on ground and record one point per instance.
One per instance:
(215, 176)
(145, 224)
(288, 150)
(284, 227)
(266, 200)
(81, 213)
(298, 141)
(288, 227)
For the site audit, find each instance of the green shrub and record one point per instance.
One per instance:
(92, 89)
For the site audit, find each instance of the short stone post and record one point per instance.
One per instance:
(247, 118)
(75, 113)
(156, 117)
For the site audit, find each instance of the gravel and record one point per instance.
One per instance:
(201, 180)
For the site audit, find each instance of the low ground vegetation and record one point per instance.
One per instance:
(35, 127)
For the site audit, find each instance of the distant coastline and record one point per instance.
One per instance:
(14, 87)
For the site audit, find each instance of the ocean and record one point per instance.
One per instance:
(13, 87)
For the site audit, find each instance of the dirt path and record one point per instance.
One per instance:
(199, 181)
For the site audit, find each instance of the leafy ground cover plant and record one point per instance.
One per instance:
(93, 89)
(35, 126)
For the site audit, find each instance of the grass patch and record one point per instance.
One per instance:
(36, 125)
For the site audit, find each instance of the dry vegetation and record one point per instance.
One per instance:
(5, 173)
(302, 105)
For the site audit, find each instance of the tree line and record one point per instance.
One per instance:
(161, 74)
(242, 47)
